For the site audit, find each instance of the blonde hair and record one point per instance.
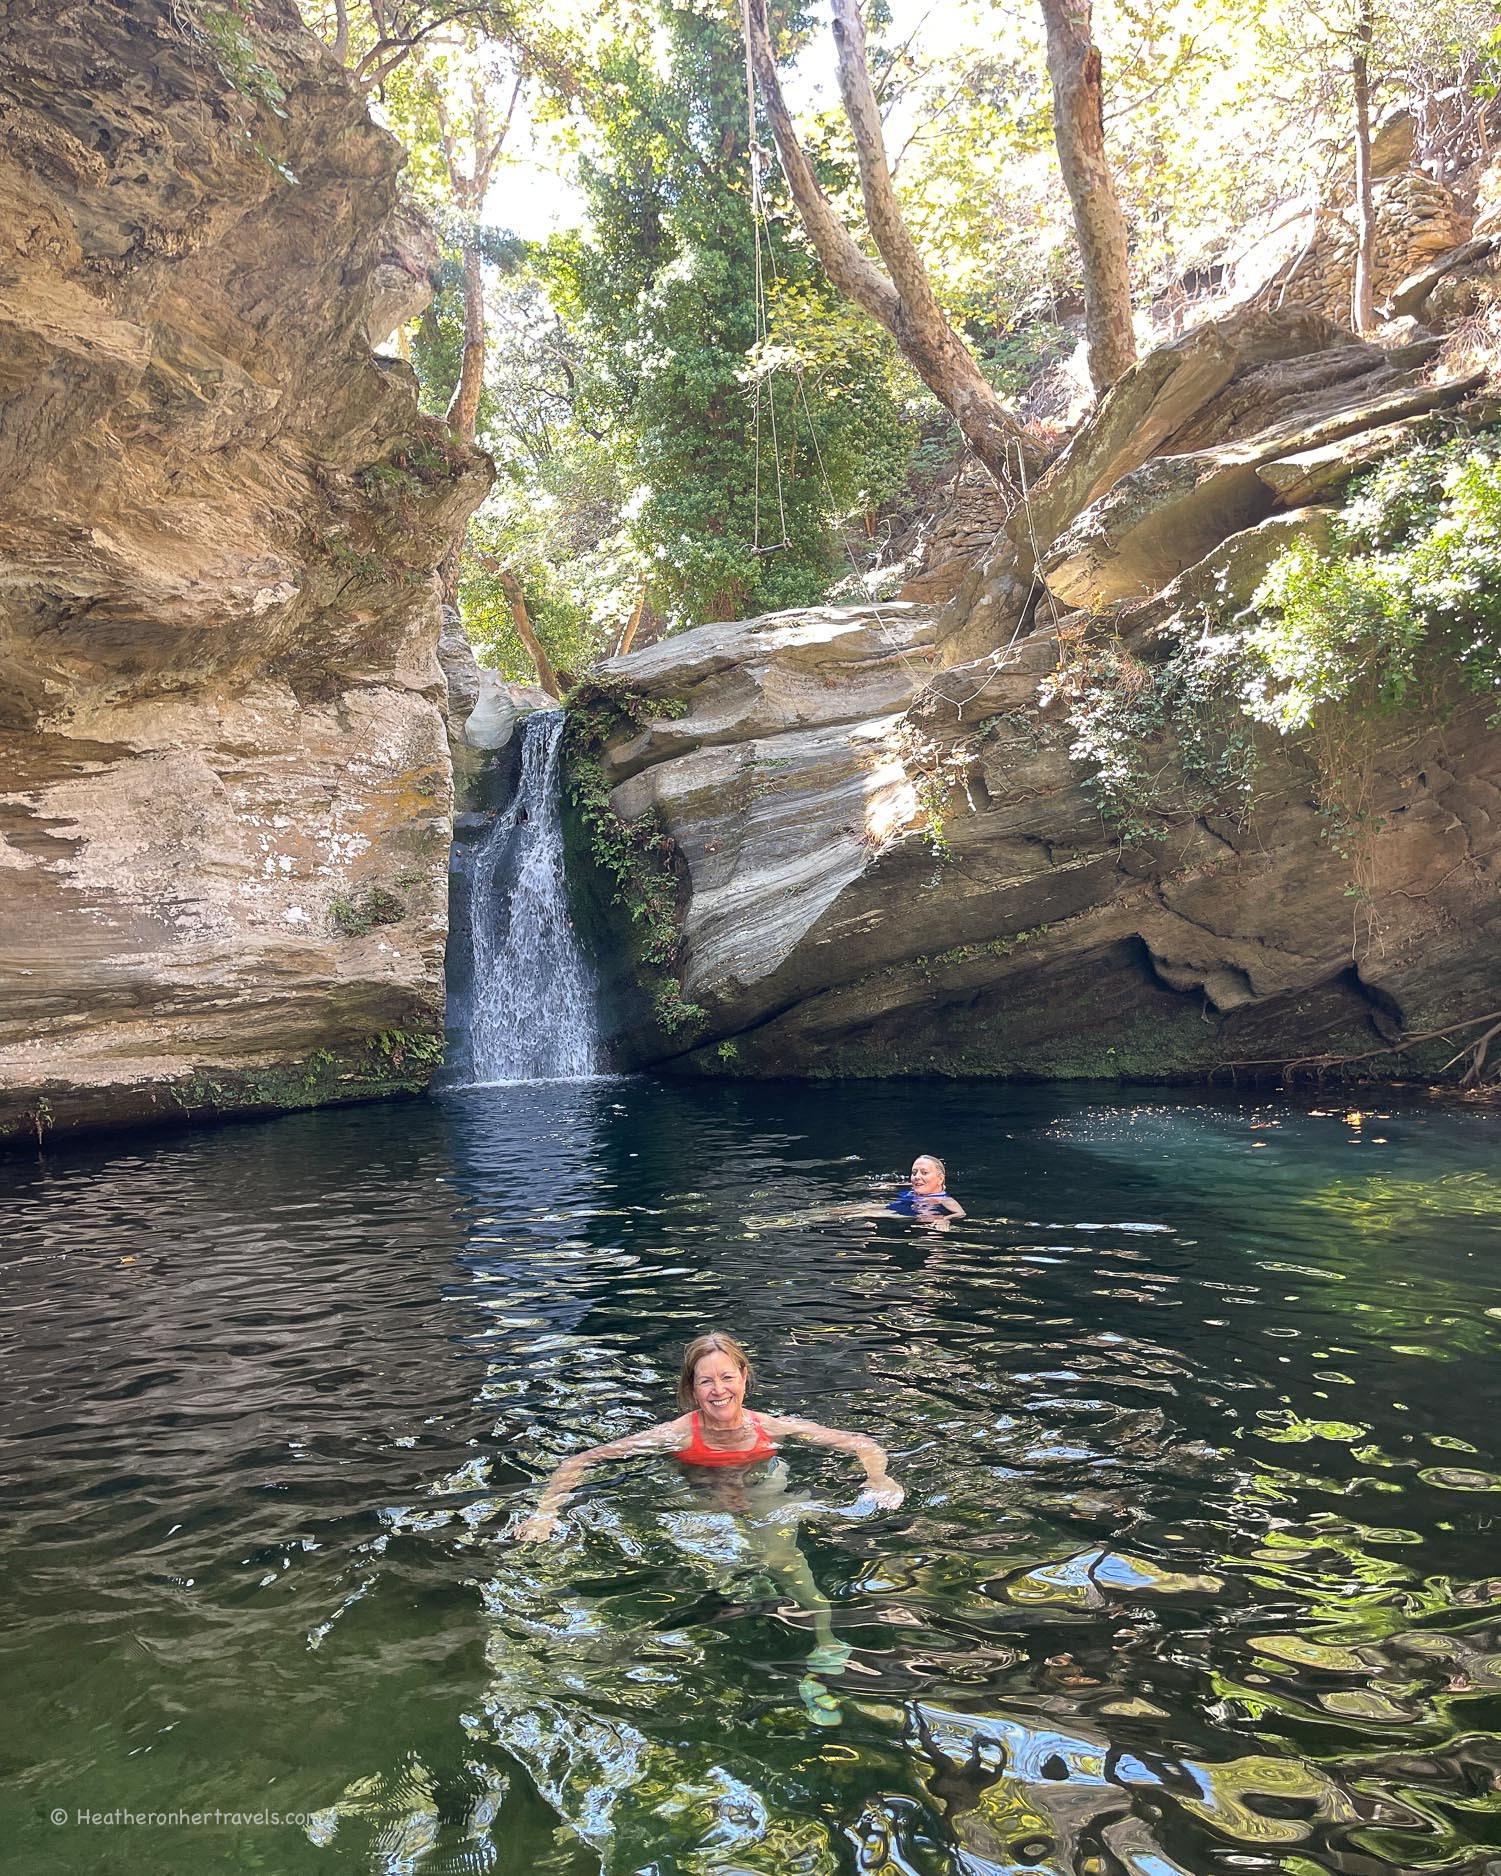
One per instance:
(716, 1342)
(934, 1160)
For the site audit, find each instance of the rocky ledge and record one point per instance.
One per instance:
(891, 856)
(226, 787)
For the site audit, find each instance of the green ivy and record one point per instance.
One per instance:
(639, 857)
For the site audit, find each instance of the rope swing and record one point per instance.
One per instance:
(761, 225)
(763, 325)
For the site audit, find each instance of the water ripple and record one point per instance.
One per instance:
(1196, 1572)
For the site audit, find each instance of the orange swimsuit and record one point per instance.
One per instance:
(697, 1453)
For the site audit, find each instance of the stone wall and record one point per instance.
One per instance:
(964, 526)
(1417, 220)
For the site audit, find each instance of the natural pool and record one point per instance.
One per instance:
(1198, 1571)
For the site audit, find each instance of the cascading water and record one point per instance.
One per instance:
(531, 999)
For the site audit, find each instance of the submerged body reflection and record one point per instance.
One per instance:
(730, 1456)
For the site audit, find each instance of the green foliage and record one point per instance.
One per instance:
(936, 771)
(556, 528)
(675, 1014)
(1131, 719)
(602, 701)
(385, 480)
(224, 26)
(1217, 113)
(1011, 359)
(1410, 591)
(931, 961)
(394, 1061)
(408, 1054)
(357, 916)
(661, 292)
(638, 857)
(316, 1068)
(554, 517)
(358, 562)
(932, 799)
(437, 340)
(428, 462)
(1406, 600)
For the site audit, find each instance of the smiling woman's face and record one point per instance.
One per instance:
(719, 1387)
(926, 1175)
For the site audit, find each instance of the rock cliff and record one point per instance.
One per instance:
(891, 857)
(226, 790)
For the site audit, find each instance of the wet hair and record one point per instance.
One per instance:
(716, 1342)
(933, 1159)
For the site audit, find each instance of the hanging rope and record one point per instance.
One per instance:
(762, 322)
(1023, 499)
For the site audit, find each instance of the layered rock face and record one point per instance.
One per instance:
(779, 784)
(225, 792)
(894, 863)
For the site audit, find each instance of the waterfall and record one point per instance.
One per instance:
(532, 999)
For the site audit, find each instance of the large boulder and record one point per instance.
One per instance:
(1177, 455)
(770, 749)
(224, 826)
(891, 857)
(1166, 515)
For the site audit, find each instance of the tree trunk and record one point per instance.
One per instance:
(632, 625)
(463, 406)
(522, 620)
(1079, 131)
(1363, 302)
(903, 301)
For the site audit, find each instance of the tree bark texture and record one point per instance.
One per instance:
(632, 625)
(1363, 301)
(547, 677)
(902, 300)
(1079, 131)
(463, 406)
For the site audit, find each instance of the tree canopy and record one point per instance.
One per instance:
(690, 421)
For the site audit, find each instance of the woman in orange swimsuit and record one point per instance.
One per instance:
(716, 1431)
(727, 1449)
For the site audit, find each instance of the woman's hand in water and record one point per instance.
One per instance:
(884, 1493)
(538, 1528)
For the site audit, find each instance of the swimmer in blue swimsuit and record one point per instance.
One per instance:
(925, 1197)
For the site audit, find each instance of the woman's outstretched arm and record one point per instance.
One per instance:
(882, 1488)
(669, 1437)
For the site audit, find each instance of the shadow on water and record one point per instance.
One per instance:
(1197, 1570)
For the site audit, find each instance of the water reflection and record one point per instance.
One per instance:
(1197, 1569)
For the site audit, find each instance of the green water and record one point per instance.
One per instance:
(1198, 1570)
